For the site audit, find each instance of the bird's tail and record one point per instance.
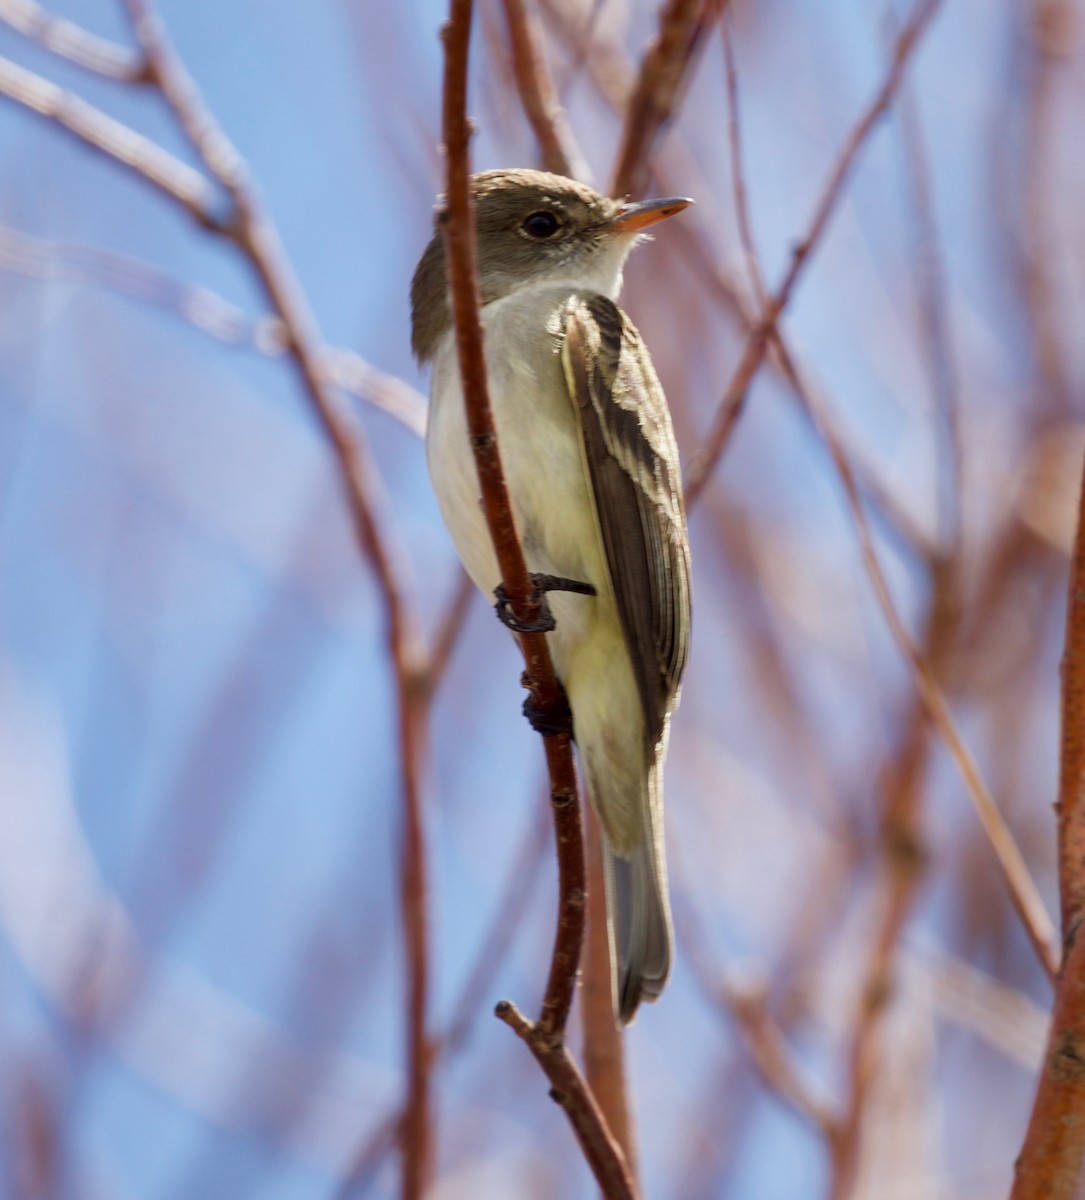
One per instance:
(639, 915)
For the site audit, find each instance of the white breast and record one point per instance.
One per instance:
(539, 439)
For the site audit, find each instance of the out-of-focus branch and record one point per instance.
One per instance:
(656, 95)
(70, 41)
(508, 916)
(1022, 889)
(746, 1003)
(448, 634)
(613, 77)
(545, 1037)
(738, 171)
(604, 1039)
(208, 312)
(772, 1057)
(251, 229)
(759, 337)
(902, 868)
(114, 139)
(540, 103)
(934, 323)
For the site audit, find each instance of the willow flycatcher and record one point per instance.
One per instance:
(592, 469)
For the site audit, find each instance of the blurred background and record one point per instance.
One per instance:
(203, 980)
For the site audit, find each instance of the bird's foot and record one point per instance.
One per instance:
(540, 585)
(550, 721)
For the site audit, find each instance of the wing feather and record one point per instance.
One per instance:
(632, 461)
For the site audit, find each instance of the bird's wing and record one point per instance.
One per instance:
(632, 461)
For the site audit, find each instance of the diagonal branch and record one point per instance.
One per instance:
(663, 73)
(759, 337)
(70, 41)
(207, 311)
(1024, 895)
(112, 138)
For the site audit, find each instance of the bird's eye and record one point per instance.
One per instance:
(541, 225)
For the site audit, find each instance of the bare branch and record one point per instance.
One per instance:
(603, 1036)
(459, 227)
(545, 1038)
(1049, 1165)
(448, 634)
(1071, 803)
(757, 342)
(664, 71)
(113, 139)
(208, 312)
(557, 146)
(570, 1091)
(252, 230)
(71, 41)
(773, 1058)
(1024, 894)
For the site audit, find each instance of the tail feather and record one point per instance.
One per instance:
(640, 926)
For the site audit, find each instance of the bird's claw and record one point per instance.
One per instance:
(540, 585)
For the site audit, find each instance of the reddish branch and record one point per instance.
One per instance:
(1071, 803)
(604, 1042)
(1051, 1160)
(759, 337)
(1023, 893)
(604, 1059)
(557, 148)
(249, 228)
(656, 95)
(545, 1037)
(1049, 1166)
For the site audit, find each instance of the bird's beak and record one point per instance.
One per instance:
(632, 218)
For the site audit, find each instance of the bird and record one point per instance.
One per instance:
(591, 464)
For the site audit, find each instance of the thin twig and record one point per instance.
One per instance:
(114, 139)
(772, 1056)
(738, 172)
(757, 342)
(664, 71)
(508, 914)
(1022, 889)
(545, 1037)
(252, 230)
(612, 76)
(934, 322)
(604, 1039)
(903, 867)
(543, 110)
(68, 40)
(447, 636)
(207, 311)
(747, 1004)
